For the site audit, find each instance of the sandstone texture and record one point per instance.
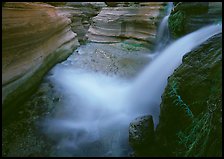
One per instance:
(34, 38)
(80, 14)
(139, 21)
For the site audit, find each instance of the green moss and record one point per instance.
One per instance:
(195, 86)
(195, 137)
(131, 46)
(177, 99)
(56, 4)
(176, 24)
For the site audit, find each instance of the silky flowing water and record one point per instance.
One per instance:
(93, 117)
(88, 101)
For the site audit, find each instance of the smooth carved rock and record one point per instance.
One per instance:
(35, 37)
(113, 24)
(80, 14)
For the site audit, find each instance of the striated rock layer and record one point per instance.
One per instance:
(81, 14)
(114, 24)
(34, 39)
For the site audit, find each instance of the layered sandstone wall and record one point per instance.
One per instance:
(138, 21)
(80, 13)
(35, 37)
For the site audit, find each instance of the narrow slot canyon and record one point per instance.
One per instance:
(111, 79)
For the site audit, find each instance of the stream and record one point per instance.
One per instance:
(85, 104)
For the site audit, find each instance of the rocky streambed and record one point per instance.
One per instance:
(123, 60)
(76, 108)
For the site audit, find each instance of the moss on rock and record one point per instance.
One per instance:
(177, 24)
(199, 86)
(191, 111)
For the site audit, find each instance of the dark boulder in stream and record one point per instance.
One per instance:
(141, 134)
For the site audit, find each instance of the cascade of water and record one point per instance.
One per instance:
(150, 84)
(97, 109)
(163, 35)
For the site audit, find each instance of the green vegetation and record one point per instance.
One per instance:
(176, 23)
(56, 4)
(196, 136)
(194, 139)
(178, 101)
(131, 46)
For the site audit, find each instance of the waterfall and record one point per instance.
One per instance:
(94, 115)
(163, 35)
(150, 84)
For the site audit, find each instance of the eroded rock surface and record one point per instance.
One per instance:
(34, 39)
(110, 59)
(81, 14)
(113, 24)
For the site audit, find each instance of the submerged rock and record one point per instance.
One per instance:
(110, 59)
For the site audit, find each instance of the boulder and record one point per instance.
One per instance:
(141, 135)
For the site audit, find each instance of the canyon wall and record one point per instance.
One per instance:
(191, 109)
(137, 21)
(80, 14)
(34, 38)
(38, 35)
(187, 17)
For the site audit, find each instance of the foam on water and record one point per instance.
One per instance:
(93, 117)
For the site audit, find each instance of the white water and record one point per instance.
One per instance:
(163, 35)
(94, 115)
(151, 83)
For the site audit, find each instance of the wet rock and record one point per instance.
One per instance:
(111, 59)
(198, 83)
(188, 17)
(141, 135)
